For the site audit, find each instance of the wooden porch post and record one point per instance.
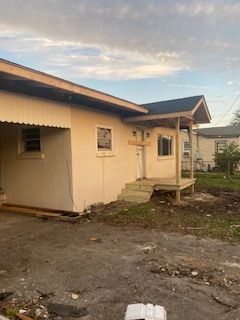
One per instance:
(191, 152)
(178, 158)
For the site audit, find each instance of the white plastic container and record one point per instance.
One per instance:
(141, 311)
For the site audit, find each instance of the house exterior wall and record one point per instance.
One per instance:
(71, 176)
(101, 178)
(19, 108)
(164, 166)
(42, 182)
(204, 149)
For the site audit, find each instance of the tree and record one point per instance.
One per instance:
(229, 159)
(236, 118)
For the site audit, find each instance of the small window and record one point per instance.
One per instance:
(186, 149)
(104, 139)
(165, 145)
(31, 140)
(221, 145)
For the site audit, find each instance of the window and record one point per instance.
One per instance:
(221, 145)
(104, 138)
(31, 140)
(165, 145)
(186, 149)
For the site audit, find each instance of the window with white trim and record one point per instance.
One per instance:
(165, 145)
(104, 138)
(220, 145)
(31, 140)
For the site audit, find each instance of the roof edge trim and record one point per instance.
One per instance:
(52, 81)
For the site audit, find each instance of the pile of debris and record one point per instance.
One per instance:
(37, 309)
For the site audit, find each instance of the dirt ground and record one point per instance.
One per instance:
(108, 267)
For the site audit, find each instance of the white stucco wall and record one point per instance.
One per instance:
(36, 182)
(96, 178)
(100, 179)
(164, 166)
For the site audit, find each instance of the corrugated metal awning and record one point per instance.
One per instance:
(18, 108)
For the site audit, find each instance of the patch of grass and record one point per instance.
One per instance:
(218, 218)
(217, 181)
(10, 313)
(191, 219)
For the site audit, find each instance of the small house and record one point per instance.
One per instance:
(65, 146)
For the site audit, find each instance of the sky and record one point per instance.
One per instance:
(139, 50)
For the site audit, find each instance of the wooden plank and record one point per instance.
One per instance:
(28, 212)
(23, 317)
(178, 196)
(37, 208)
(177, 150)
(138, 143)
(190, 132)
(186, 115)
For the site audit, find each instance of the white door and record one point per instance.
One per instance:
(140, 165)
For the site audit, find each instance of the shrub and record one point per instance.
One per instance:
(229, 159)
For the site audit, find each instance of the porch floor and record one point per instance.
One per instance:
(165, 184)
(142, 190)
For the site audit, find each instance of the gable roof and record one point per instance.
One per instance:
(227, 131)
(191, 108)
(172, 106)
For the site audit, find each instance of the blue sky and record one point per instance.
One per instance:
(140, 50)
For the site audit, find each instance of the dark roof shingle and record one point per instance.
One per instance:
(172, 106)
(228, 131)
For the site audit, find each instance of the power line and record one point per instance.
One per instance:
(228, 110)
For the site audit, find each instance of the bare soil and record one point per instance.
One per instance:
(108, 267)
(209, 213)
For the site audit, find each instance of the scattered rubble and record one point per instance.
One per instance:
(75, 296)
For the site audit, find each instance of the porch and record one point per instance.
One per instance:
(142, 190)
(176, 115)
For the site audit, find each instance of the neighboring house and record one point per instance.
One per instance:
(65, 146)
(206, 142)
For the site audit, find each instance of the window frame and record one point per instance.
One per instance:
(186, 151)
(105, 153)
(169, 155)
(24, 154)
(222, 142)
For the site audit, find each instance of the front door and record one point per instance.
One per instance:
(140, 165)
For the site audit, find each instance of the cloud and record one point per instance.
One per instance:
(88, 61)
(124, 39)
